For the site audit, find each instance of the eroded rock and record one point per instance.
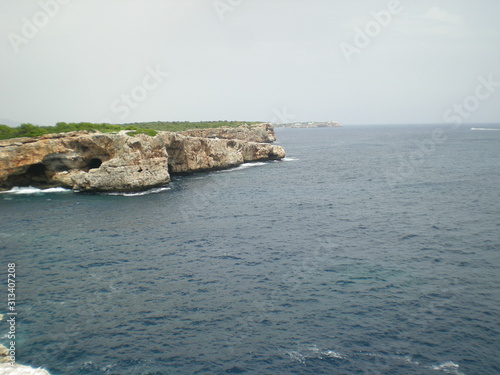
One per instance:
(194, 154)
(84, 161)
(118, 162)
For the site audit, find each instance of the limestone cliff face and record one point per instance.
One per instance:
(118, 162)
(261, 133)
(195, 154)
(84, 161)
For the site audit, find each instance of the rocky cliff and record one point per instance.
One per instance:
(118, 162)
(261, 133)
(195, 154)
(84, 161)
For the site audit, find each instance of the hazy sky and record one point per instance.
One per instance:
(355, 61)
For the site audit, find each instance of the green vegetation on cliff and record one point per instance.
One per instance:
(29, 130)
(177, 126)
(149, 128)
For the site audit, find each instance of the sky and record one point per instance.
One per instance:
(356, 61)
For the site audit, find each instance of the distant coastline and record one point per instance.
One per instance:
(324, 124)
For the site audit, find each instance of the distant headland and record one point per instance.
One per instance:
(324, 124)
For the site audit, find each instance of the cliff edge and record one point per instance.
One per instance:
(260, 133)
(87, 161)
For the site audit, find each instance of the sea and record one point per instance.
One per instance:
(367, 250)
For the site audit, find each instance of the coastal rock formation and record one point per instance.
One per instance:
(253, 151)
(135, 163)
(7, 368)
(261, 133)
(195, 154)
(84, 161)
(118, 162)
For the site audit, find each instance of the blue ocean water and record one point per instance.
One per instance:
(368, 250)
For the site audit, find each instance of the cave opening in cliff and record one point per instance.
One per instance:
(34, 175)
(94, 163)
(36, 170)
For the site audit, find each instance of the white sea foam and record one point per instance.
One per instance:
(483, 129)
(448, 367)
(21, 370)
(332, 354)
(325, 353)
(290, 159)
(141, 193)
(398, 358)
(410, 360)
(313, 352)
(296, 356)
(244, 166)
(33, 190)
